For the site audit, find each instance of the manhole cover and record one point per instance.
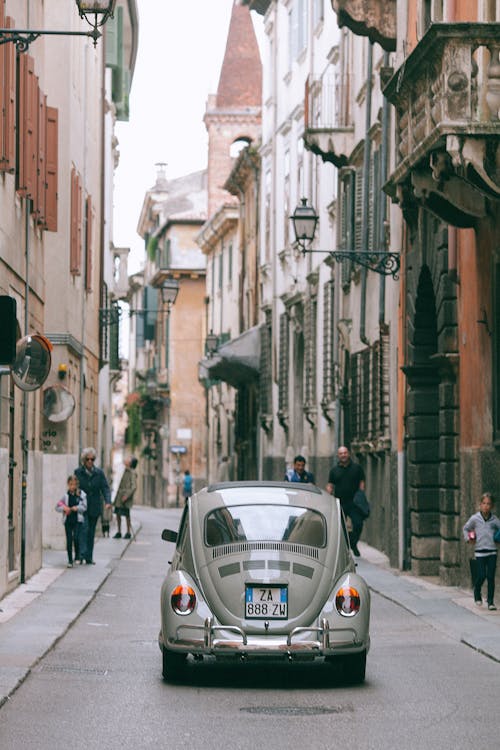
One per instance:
(297, 710)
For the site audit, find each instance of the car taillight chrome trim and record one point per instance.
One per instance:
(183, 599)
(347, 601)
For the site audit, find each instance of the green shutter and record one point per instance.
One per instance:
(111, 32)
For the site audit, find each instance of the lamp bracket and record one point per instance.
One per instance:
(22, 38)
(379, 261)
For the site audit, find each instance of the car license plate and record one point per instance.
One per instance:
(266, 602)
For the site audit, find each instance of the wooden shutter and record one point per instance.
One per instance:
(51, 166)
(88, 243)
(75, 221)
(27, 118)
(41, 196)
(8, 149)
(3, 89)
(9, 162)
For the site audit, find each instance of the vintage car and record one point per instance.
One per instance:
(264, 569)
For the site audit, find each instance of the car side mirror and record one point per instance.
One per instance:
(169, 536)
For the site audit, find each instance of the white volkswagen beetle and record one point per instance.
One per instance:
(264, 569)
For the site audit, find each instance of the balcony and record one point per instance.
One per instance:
(447, 100)
(328, 132)
(375, 19)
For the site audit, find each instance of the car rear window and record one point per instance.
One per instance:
(265, 523)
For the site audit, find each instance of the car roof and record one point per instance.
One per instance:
(263, 492)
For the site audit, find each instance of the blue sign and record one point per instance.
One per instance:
(178, 449)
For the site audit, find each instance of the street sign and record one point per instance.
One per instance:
(178, 449)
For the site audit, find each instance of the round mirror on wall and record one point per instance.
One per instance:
(32, 364)
(58, 403)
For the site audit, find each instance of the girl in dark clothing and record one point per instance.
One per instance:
(73, 506)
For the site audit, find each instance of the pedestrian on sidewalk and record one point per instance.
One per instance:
(346, 478)
(73, 506)
(125, 497)
(298, 472)
(93, 482)
(480, 530)
(187, 486)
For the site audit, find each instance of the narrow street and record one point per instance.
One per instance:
(101, 685)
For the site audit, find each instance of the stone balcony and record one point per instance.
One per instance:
(447, 100)
(328, 130)
(375, 19)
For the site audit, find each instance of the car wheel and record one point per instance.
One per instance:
(355, 668)
(174, 664)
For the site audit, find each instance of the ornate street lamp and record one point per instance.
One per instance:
(100, 10)
(211, 342)
(305, 220)
(169, 291)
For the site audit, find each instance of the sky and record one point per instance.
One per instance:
(181, 49)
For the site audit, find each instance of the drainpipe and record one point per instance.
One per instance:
(24, 423)
(366, 191)
(381, 239)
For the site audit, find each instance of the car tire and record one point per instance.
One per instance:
(174, 665)
(355, 668)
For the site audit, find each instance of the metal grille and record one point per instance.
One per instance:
(310, 351)
(239, 547)
(369, 391)
(283, 365)
(265, 390)
(328, 364)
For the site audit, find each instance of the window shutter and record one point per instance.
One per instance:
(41, 193)
(283, 366)
(111, 32)
(27, 135)
(328, 372)
(3, 88)
(21, 138)
(88, 243)
(358, 211)
(75, 228)
(51, 165)
(150, 306)
(8, 155)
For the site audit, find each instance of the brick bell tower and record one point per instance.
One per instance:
(234, 113)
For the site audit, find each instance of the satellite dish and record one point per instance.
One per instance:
(32, 364)
(58, 403)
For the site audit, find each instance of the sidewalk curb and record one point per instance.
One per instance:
(35, 629)
(436, 605)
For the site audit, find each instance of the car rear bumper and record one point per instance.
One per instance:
(211, 639)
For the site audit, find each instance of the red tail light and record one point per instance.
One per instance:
(183, 600)
(347, 601)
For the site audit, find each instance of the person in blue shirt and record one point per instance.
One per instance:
(298, 473)
(187, 485)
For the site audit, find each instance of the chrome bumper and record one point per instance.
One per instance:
(327, 642)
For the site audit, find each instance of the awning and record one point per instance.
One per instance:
(236, 362)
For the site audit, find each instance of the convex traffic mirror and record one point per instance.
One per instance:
(32, 364)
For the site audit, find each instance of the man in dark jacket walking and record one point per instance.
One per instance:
(344, 480)
(93, 482)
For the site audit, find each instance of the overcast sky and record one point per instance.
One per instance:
(181, 48)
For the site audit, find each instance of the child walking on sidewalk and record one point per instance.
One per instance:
(480, 530)
(73, 506)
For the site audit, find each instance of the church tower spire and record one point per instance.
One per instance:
(234, 113)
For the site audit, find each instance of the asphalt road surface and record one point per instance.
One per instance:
(101, 685)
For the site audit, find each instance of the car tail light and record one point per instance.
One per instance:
(183, 600)
(347, 601)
